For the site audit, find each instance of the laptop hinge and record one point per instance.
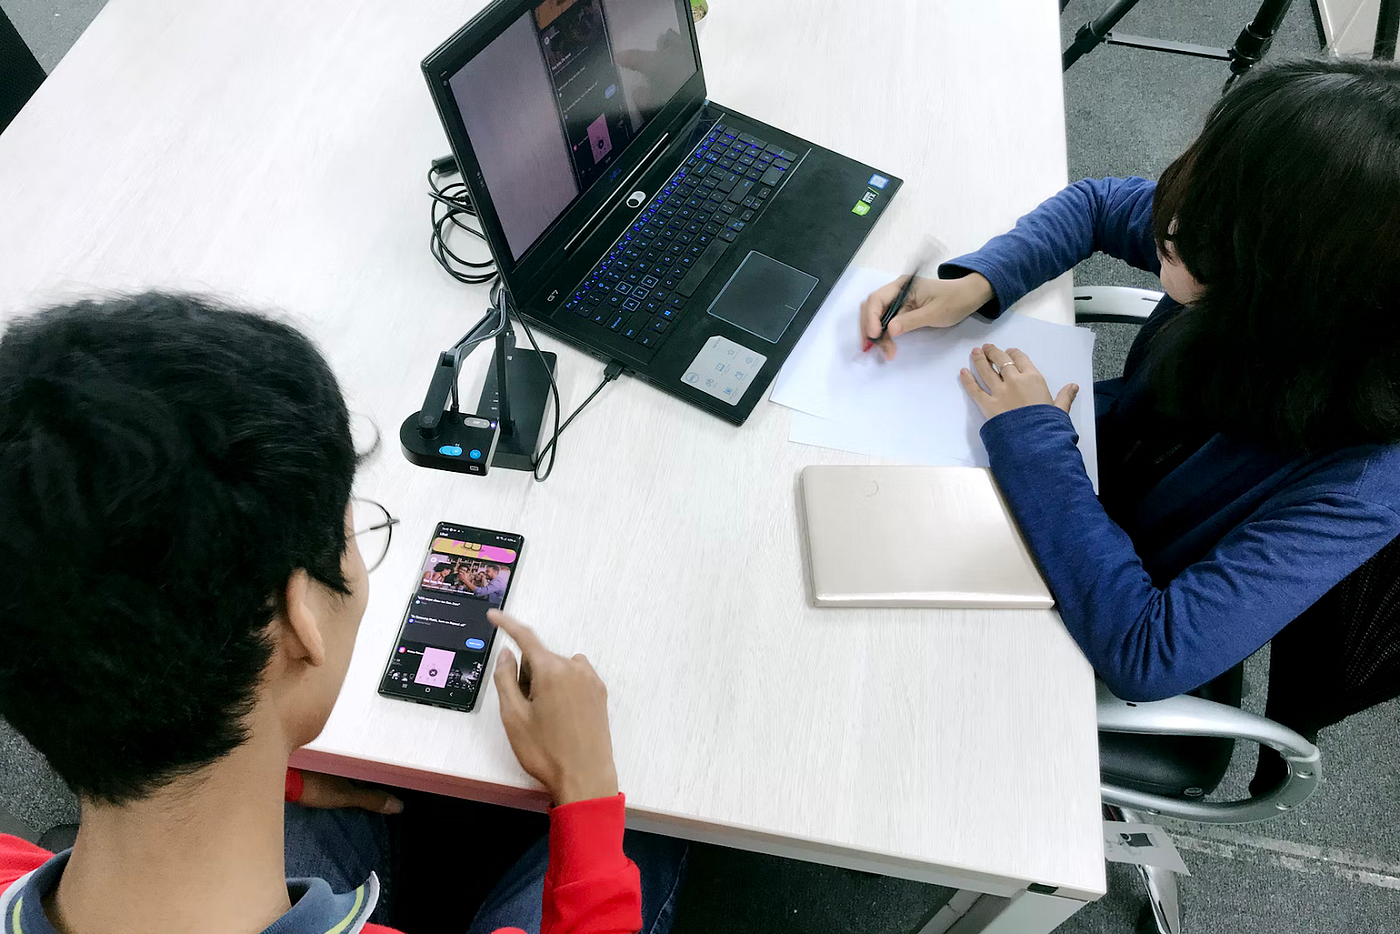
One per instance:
(592, 223)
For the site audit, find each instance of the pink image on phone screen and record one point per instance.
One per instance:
(598, 136)
(433, 669)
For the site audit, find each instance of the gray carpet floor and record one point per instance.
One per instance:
(1332, 866)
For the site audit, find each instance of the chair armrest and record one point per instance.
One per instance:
(1193, 716)
(1113, 304)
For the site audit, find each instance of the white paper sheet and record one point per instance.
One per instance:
(1141, 845)
(913, 408)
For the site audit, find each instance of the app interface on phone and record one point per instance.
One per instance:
(446, 638)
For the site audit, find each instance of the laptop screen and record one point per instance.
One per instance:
(554, 100)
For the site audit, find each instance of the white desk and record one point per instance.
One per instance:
(274, 152)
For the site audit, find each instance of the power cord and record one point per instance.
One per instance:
(451, 203)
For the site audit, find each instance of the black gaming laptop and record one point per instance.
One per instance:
(631, 216)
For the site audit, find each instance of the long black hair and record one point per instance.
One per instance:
(1287, 210)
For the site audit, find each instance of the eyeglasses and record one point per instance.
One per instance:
(374, 529)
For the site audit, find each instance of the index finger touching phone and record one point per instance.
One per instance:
(523, 635)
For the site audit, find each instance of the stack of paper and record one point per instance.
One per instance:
(913, 409)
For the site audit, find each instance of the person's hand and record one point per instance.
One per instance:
(932, 303)
(331, 791)
(1012, 382)
(555, 711)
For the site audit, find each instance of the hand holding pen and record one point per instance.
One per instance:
(912, 302)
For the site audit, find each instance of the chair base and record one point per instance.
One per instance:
(1162, 913)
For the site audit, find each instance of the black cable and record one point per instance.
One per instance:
(611, 372)
(553, 445)
(451, 203)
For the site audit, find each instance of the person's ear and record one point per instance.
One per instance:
(303, 623)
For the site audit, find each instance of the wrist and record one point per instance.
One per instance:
(600, 783)
(976, 291)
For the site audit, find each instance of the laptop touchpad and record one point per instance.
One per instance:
(763, 296)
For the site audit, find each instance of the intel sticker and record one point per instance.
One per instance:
(878, 181)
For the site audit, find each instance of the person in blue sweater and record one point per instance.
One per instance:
(1249, 455)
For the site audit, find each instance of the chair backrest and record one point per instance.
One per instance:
(1342, 655)
(20, 74)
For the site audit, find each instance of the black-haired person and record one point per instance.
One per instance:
(1249, 456)
(210, 450)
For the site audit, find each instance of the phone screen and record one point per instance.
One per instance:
(445, 640)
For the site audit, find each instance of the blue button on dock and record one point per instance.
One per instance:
(474, 454)
(451, 450)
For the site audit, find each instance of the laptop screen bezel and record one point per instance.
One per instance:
(527, 275)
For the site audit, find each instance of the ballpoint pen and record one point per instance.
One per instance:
(897, 304)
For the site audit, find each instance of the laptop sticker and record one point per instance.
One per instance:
(724, 369)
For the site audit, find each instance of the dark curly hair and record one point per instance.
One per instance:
(194, 456)
(1287, 210)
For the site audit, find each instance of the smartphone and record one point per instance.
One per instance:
(445, 639)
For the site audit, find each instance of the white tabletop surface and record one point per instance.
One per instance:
(274, 153)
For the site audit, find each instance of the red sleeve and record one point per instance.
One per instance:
(294, 786)
(18, 857)
(590, 887)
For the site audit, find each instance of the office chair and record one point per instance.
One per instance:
(1341, 656)
(1250, 46)
(20, 74)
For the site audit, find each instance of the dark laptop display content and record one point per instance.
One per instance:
(632, 216)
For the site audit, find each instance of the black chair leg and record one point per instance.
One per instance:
(1092, 34)
(1387, 26)
(1250, 46)
(20, 73)
(1254, 40)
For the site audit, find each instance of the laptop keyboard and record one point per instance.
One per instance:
(642, 287)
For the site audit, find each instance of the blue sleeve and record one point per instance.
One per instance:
(1146, 642)
(1096, 215)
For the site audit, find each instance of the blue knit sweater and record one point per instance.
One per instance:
(1173, 585)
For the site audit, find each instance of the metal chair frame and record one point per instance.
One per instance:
(1185, 715)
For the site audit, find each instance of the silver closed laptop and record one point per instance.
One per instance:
(915, 537)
